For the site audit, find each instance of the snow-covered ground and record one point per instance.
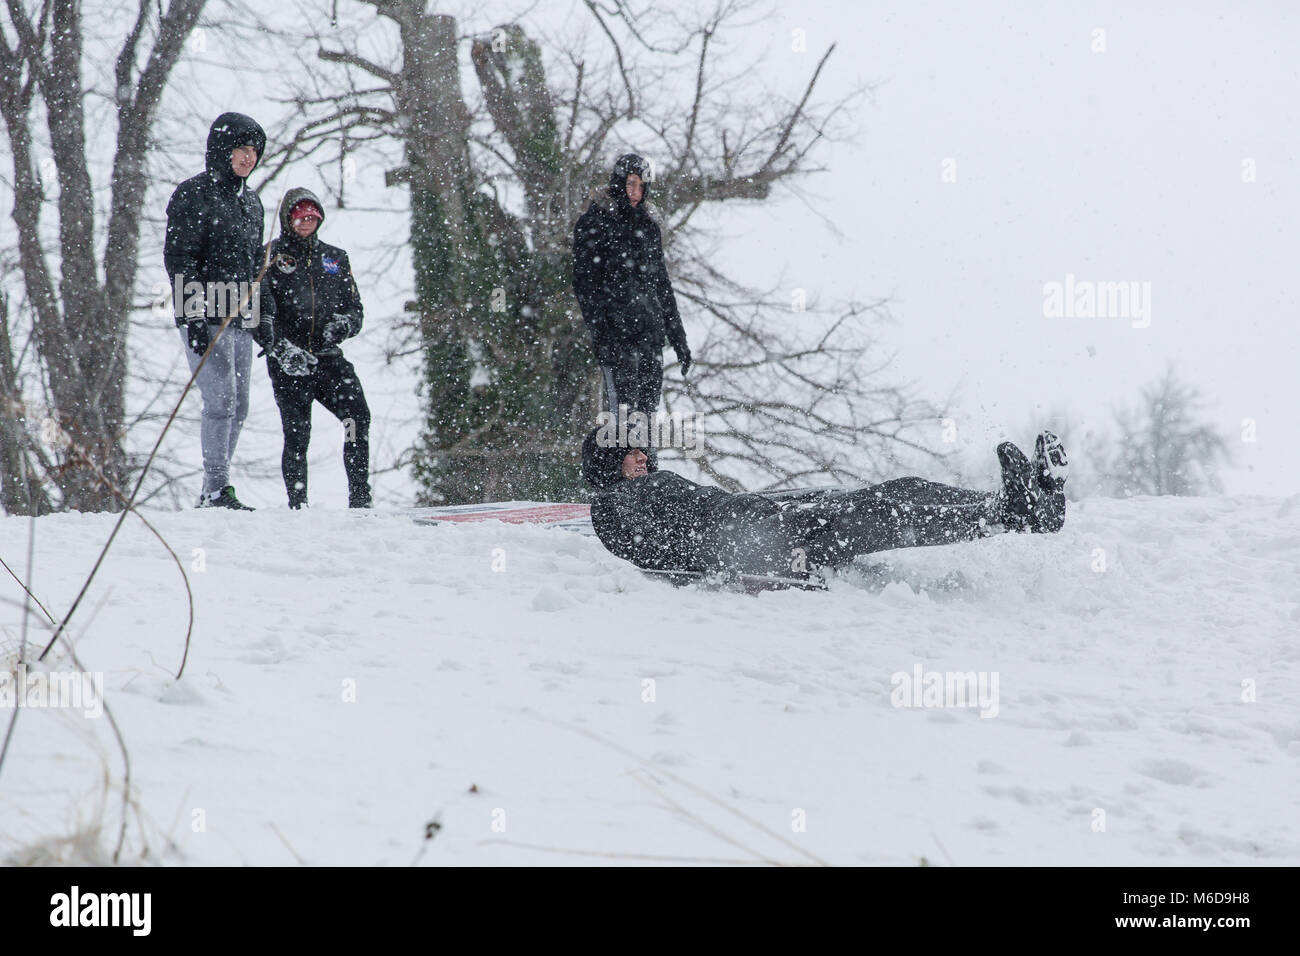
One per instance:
(355, 677)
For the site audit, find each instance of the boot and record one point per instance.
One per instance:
(1019, 498)
(1051, 469)
(225, 498)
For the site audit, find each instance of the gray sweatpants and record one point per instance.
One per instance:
(223, 383)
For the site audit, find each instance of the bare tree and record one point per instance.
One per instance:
(78, 279)
(1163, 445)
(496, 183)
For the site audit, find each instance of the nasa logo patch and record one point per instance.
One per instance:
(331, 265)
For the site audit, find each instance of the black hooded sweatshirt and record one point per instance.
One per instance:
(666, 522)
(214, 221)
(619, 275)
(311, 282)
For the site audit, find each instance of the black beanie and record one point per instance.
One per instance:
(602, 465)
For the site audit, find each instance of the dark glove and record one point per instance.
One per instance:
(293, 360)
(336, 329)
(684, 356)
(198, 335)
(263, 334)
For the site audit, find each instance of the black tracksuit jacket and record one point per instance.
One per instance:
(311, 282)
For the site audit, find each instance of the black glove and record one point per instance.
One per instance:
(198, 335)
(684, 356)
(263, 334)
(293, 360)
(336, 329)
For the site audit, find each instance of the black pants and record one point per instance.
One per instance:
(635, 380)
(333, 382)
(790, 533)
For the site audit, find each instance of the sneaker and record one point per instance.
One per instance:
(1051, 469)
(1019, 498)
(225, 498)
(297, 505)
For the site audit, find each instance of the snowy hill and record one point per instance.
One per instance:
(355, 677)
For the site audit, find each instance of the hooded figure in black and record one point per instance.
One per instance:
(622, 287)
(318, 307)
(661, 521)
(213, 253)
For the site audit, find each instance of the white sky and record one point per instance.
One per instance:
(1123, 165)
(1114, 166)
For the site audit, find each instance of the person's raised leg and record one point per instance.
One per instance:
(903, 513)
(922, 491)
(1051, 469)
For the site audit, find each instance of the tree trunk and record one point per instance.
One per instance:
(81, 322)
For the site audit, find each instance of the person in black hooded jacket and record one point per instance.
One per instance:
(318, 307)
(213, 254)
(622, 287)
(661, 521)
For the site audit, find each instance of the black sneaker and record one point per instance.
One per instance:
(1019, 498)
(226, 499)
(1051, 469)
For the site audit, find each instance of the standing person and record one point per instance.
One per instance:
(622, 287)
(318, 307)
(213, 254)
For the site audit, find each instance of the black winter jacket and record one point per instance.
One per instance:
(311, 282)
(619, 275)
(214, 222)
(664, 522)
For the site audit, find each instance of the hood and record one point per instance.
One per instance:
(625, 165)
(228, 131)
(602, 465)
(291, 199)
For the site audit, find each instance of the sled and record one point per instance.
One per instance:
(577, 517)
(553, 514)
(743, 583)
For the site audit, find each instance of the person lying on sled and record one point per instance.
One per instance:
(661, 521)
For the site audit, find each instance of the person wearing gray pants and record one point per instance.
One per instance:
(223, 383)
(215, 260)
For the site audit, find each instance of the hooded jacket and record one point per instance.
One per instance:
(619, 275)
(664, 522)
(311, 282)
(214, 222)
